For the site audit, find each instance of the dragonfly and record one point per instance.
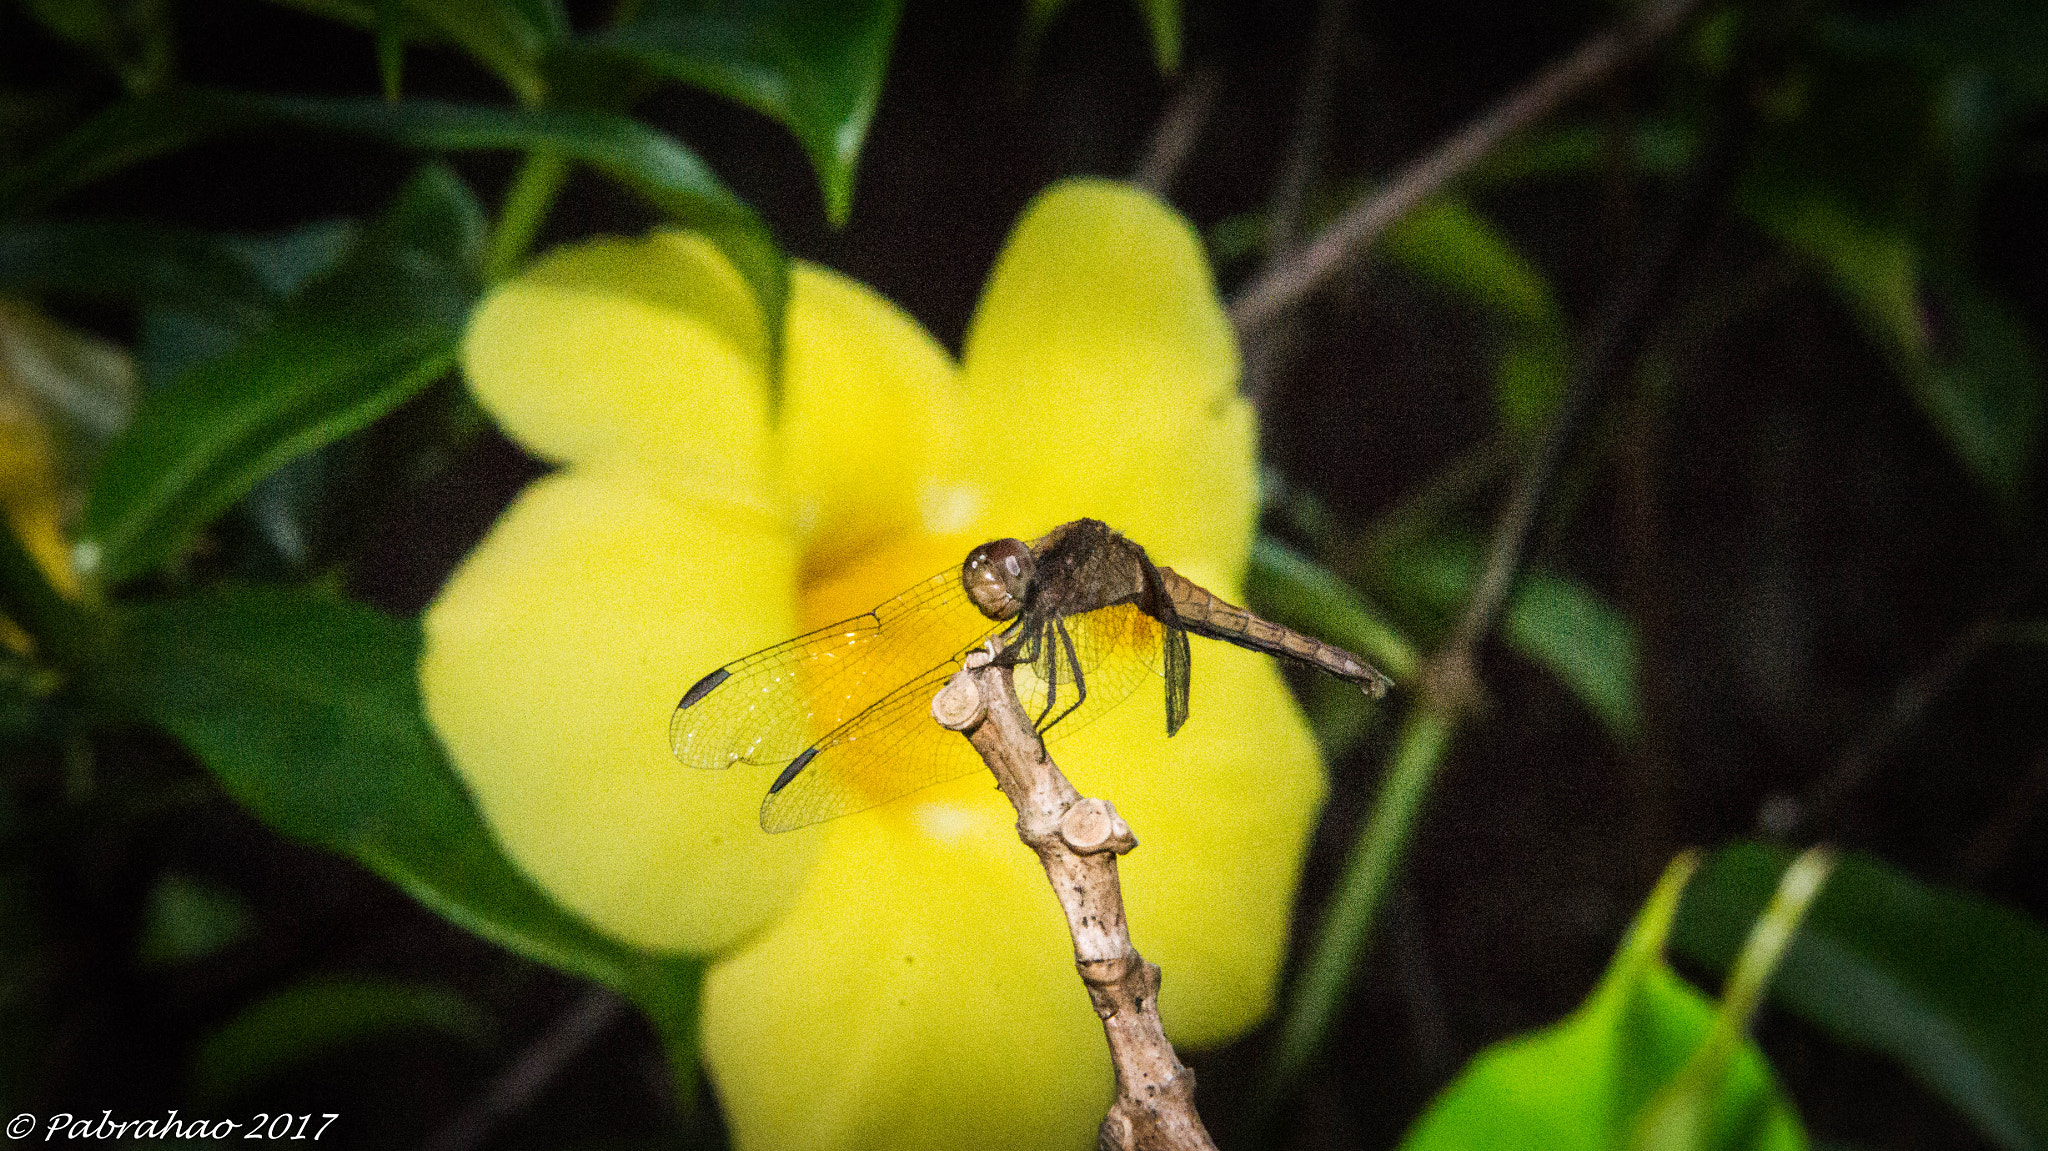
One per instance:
(1081, 614)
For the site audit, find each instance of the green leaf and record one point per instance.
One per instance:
(190, 918)
(1162, 21)
(321, 1015)
(1949, 984)
(1552, 620)
(815, 65)
(652, 163)
(1295, 590)
(352, 346)
(131, 38)
(1586, 1082)
(1453, 246)
(1290, 588)
(131, 262)
(306, 709)
(1963, 356)
(510, 37)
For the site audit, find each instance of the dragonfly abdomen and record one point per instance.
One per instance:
(1203, 613)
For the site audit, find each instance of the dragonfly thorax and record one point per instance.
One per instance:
(996, 576)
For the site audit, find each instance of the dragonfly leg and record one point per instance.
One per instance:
(1045, 655)
(1065, 645)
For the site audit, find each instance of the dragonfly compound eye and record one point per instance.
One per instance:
(995, 576)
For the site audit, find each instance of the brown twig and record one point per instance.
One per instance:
(1180, 126)
(1077, 841)
(1278, 290)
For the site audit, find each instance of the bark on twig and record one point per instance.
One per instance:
(1279, 289)
(1077, 841)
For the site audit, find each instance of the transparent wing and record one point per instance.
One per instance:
(768, 707)
(895, 747)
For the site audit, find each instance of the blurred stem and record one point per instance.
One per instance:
(1266, 350)
(1275, 292)
(526, 209)
(527, 1076)
(1180, 126)
(63, 631)
(1361, 891)
(1681, 1113)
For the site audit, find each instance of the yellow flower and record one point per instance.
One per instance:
(900, 977)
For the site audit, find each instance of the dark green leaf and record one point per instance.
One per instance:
(133, 263)
(322, 1015)
(178, 336)
(1553, 620)
(1448, 243)
(306, 709)
(349, 348)
(510, 37)
(652, 163)
(1949, 984)
(815, 65)
(1585, 1083)
(1963, 356)
(391, 35)
(189, 918)
(132, 38)
(1162, 21)
(1292, 589)
(1295, 590)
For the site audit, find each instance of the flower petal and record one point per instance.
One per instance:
(553, 660)
(922, 985)
(868, 433)
(920, 994)
(647, 348)
(1106, 369)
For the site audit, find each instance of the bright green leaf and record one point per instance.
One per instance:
(1950, 985)
(815, 65)
(652, 163)
(352, 346)
(1555, 621)
(321, 1016)
(306, 709)
(1585, 1082)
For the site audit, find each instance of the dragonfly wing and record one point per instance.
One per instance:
(893, 748)
(1117, 648)
(767, 708)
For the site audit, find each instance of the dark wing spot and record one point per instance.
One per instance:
(789, 773)
(703, 687)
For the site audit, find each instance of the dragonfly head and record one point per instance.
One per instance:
(996, 575)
